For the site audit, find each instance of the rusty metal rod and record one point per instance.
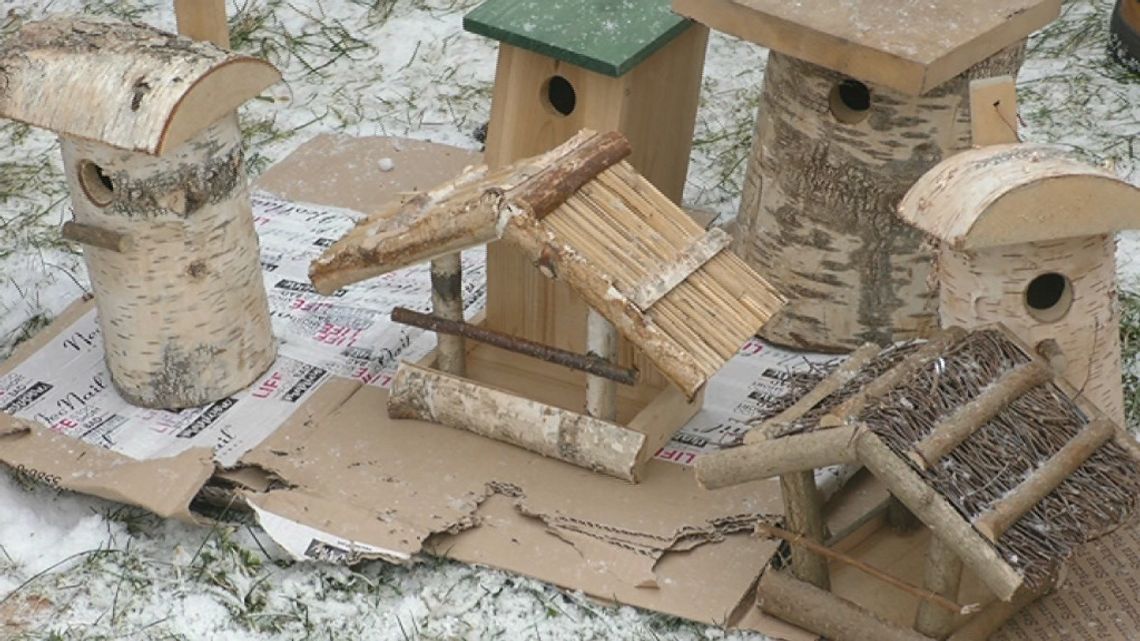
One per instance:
(583, 363)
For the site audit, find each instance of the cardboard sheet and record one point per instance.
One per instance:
(350, 484)
(361, 486)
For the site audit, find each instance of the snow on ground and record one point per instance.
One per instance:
(78, 568)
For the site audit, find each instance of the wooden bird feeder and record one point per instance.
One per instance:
(153, 159)
(633, 67)
(1009, 468)
(644, 269)
(860, 99)
(1028, 240)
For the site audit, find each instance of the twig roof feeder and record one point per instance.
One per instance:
(633, 67)
(581, 216)
(153, 159)
(860, 99)
(1008, 466)
(1027, 239)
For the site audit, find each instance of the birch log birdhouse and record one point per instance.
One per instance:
(1027, 239)
(153, 158)
(860, 99)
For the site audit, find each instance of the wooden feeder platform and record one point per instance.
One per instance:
(908, 46)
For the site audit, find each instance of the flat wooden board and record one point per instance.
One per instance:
(607, 36)
(908, 45)
(383, 170)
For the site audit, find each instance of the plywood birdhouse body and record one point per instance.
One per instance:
(1028, 240)
(859, 101)
(646, 272)
(153, 158)
(1009, 467)
(633, 67)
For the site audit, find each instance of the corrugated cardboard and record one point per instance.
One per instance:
(390, 489)
(354, 484)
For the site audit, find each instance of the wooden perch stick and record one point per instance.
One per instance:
(582, 363)
(952, 431)
(937, 513)
(447, 303)
(942, 576)
(428, 395)
(828, 386)
(892, 378)
(548, 191)
(924, 595)
(601, 343)
(1051, 351)
(796, 453)
(93, 236)
(1044, 480)
(822, 612)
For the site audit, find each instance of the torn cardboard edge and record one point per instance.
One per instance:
(340, 481)
(508, 512)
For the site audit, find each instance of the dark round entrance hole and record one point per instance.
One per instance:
(96, 184)
(1049, 297)
(850, 101)
(561, 95)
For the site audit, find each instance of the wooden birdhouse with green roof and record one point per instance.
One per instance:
(632, 66)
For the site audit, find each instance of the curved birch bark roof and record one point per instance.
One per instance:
(1018, 193)
(126, 85)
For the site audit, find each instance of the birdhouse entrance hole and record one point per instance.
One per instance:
(561, 96)
(96, 184)
(850, 102)
(1049, 297)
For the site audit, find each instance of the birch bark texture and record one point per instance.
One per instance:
(831, 159)
(183, 308)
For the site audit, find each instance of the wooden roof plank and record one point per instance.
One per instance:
(906, 45)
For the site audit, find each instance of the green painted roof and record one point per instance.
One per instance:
(606, 36)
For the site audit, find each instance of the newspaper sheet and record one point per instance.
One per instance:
(66, 385)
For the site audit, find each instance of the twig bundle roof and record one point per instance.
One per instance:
(1025, 483)
(627, 250)
(1005, 451)
(126, 85)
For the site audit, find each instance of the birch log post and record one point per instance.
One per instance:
(602, 342)
(447, 303)
(183, 312)
(831, 159)
(428, 395)
(942, 576)
(822, 612)
(803, 514)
